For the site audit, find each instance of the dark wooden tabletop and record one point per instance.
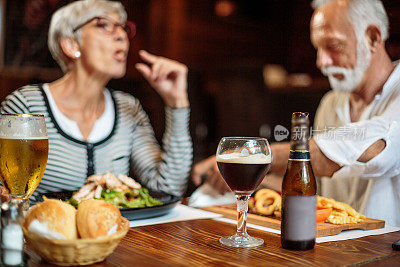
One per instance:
(195, 242)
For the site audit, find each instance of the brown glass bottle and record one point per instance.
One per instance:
(298, 228)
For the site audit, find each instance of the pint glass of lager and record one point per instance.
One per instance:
(23, 154)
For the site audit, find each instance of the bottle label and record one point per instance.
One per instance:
(299, 155)
(299, 218)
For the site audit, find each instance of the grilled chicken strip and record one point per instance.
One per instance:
(84, 191)
(129, 181)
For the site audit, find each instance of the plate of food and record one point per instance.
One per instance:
(133, 200)
(332, 216)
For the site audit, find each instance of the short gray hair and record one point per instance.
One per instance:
(67, 18)
(363, 13)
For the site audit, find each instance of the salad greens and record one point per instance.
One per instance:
(136, 198)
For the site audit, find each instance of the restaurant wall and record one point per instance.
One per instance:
(225, 52)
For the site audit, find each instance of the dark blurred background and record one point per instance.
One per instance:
(251, 62)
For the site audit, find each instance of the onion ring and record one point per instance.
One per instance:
(267, 197)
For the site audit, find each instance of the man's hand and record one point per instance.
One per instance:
(209, 169)
(168, 77)
(322, 165)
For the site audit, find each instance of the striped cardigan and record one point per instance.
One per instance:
(131, 146)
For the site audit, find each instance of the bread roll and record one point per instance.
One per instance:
(59, 216)
(96, 218)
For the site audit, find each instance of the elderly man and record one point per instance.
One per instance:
(358, 158)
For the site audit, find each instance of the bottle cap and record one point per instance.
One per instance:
(300, 118)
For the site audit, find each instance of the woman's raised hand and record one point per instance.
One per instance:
(168, 77)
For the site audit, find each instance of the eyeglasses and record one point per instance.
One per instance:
(109, 26)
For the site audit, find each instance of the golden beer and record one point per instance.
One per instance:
(22, 164)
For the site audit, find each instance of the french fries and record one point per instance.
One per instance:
(341, 212)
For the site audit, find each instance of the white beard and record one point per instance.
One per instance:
(351, 77)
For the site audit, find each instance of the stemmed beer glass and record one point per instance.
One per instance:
(243, 162)
(24, 149)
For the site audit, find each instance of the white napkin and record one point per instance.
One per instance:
(205, 196)
(179, 213)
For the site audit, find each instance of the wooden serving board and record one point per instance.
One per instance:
(323, 229)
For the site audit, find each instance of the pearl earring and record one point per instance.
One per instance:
(77, 54)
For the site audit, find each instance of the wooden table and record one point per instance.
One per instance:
(194, 243)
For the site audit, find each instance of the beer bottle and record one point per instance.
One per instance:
(298, 227)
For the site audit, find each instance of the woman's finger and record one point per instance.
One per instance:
(147, 57)
(144, 70)
(155, 69)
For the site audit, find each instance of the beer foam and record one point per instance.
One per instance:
(239, 158)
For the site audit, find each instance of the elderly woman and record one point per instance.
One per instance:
(93, 129)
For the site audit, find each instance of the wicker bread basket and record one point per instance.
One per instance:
(75, 252)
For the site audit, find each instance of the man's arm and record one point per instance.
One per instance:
(280, 156)
(372, 151)
(322, 165)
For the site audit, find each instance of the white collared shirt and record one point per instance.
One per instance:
(372, 188)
